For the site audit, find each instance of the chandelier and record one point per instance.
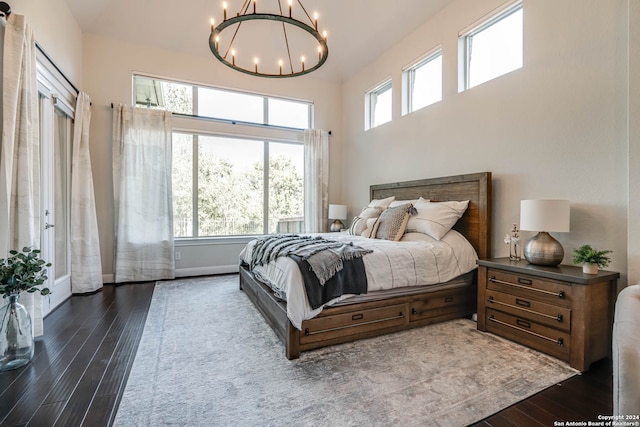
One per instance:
(294, 49)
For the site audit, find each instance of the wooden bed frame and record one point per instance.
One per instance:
(349, 322)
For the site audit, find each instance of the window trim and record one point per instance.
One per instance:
(196, 126)
(464, 37)
(408, 72)
(196, 85)
(370, 96)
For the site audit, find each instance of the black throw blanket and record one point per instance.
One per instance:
(329, 268)
(352, 279)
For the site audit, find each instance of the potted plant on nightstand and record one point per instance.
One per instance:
(591, 259)
(22, 271)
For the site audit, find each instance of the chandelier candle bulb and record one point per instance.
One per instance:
(290, 6)
(303, 63)
(255, 61)
(254, 6)
(280, 65)
(212, 24)
(233, 57)
(315, 19)
(224, 8)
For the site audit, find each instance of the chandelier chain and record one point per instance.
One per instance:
(244, 6)
(305, 11)
(286, 39)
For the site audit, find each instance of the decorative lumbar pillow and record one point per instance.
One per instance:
(359, 223)
(436, 218)
(393, 222)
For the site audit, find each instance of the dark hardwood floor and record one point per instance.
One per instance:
(80, 367)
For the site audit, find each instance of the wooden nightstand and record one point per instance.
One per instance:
(557, 310)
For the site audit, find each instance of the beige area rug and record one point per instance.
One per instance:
(207, 358)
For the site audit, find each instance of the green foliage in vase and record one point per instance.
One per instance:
(585, 254)
(23, 271)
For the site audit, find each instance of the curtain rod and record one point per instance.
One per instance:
(46, 55)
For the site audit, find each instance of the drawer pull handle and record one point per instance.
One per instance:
(357, 316)
(448, 299)
(522, 302)
(307, 332)
(559, 317)
(559, 341)
(559, 294)
(523, 323)
(522, 281)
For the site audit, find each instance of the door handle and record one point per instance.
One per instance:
(48, 226)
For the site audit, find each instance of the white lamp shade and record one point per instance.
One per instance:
(545, 215)
(337, 212)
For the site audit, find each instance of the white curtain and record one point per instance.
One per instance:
(20, 151)
(86, 263)
(316, 180)
(142, 195)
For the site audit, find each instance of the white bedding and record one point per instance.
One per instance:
(416, 260)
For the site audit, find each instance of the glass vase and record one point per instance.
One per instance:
(16, 335)
(514, 250)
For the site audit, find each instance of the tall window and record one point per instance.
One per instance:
(378, 103)
(494, 47)
(423, 82)
(232, 184)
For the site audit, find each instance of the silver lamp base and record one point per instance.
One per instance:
(543, 249)
(336, 225)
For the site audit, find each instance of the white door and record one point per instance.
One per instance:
(55, 137)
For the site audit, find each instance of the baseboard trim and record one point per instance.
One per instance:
(207, 271)
(190, 272)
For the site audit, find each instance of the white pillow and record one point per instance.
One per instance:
(360, 223)
(436, 218)
(397, 203)
(381, 203)
(371, 228)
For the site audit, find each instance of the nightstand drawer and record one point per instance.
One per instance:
(532, 287)
(540, 312)
(534, 335)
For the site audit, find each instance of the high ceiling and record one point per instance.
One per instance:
(358, 29)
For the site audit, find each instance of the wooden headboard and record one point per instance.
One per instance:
(475, 224)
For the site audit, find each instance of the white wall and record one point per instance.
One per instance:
(556, 128)
(57, 32)
(108, 68)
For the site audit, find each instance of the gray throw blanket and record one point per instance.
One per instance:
(325, 257)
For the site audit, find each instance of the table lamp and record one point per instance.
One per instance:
(544, 216)
(337, 212)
